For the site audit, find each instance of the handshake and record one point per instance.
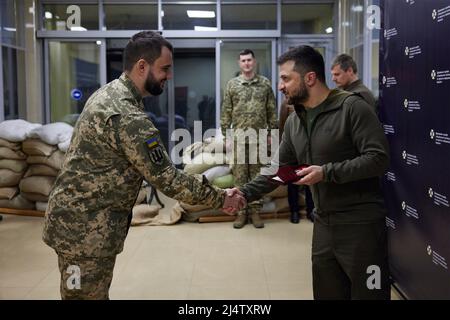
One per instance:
(234, 201)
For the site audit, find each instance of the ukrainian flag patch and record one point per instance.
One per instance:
(152, 142)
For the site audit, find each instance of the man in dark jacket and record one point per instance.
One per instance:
(338, 134)
(345, 74)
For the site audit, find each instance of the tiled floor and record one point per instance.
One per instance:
(184, 261)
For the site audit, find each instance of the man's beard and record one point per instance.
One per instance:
(153, 86)
(300, 97)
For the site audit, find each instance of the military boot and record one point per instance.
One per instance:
(240, 221)
(257, 221)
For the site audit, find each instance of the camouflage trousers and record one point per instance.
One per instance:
(85, 278)
(247, 171)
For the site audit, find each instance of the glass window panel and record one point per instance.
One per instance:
(195, 97)
(131, 16)
(12, 22)
(81, 64)
(307, 18)
(56, 17)
(249, 16)
(229, 56)
(10, 94)
(189, 15)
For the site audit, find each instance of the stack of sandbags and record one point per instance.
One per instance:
(45, 147)
(13, 162)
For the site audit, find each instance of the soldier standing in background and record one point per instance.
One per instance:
(249, 103)
(114, 146)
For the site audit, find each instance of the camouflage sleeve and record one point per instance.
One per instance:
(227, 111)
(271, 110)
(141, 144)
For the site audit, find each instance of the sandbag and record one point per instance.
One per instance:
(18, 202)
(224, 182)
(37, 184)
(64, 146)
(41, 206)
(281, 204)
(35, 197)
(194, 216)
(8, 193)
(11, 145)
(53, 133)
(55, 160)
(14, 165)
(16, 130)
(36, 147)
(149, 215)
(40, 170)
(7, 153)
(193, 208)
(141, 196)
(216, 172)
(9, 178)
(279, 192)
(268, 207)
(203, 162)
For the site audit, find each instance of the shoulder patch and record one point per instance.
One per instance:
(152, 142)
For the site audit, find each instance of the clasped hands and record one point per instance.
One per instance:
(234, 201)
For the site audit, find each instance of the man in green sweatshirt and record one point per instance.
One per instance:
(338, 134)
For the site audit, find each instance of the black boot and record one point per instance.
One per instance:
(295, 217)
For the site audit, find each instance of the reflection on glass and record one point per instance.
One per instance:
(306, 19)
(10, 95)
(156, 108)
(74, 17)
(249, 16)
(190, 16)
(195, 94)
(69, 90)
(131, 17)
(229, 57)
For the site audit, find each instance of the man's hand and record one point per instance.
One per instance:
(311, 175)
(234, 201)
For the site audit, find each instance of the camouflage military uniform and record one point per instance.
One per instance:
(248, 104)
(113, 147)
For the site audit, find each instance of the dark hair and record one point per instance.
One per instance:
(145, 45)
(246, 52)
(306, 59)
(345, 62)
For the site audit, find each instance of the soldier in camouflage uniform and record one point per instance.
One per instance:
(114, 146)
(249, 103)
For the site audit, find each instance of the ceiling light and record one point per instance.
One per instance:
(48, 15)
(77, 29)
(199, 28)
(329, 30)
(357, 8)
(200, 14)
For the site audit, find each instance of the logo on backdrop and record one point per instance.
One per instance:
(390, 33)
(411, 52)
(390, 223)
(388, 129)
(440, 14)
(411, 106)
(440, 75)
(439, 199)
(410, 211)
(439, 138)
(410, 158)
(410, 2)
(436, 258)
(388, 81)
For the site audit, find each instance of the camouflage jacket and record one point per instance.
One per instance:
(114, 146)
(248, 104)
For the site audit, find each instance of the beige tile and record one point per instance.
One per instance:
(230, 292)
(288, 270)
(291, 291)
(14, 293)
(44, 293)
(148, 290)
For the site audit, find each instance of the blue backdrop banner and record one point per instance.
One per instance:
(415, 112)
